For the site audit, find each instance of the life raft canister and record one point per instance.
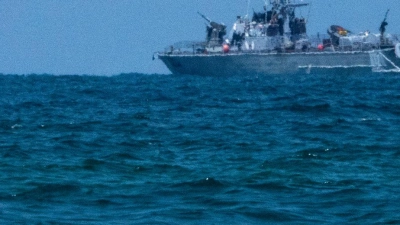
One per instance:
(397, 50)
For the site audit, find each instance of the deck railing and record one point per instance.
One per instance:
(351, 43)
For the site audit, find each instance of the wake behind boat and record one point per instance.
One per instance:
(275, 41)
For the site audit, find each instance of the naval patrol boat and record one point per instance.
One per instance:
(275, 41)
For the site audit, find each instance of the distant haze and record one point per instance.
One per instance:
(109, 37)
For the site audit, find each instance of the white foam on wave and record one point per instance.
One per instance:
(379, 70)
(16, 126)
(371, 119)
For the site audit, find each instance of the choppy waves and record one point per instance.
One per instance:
(164, 149)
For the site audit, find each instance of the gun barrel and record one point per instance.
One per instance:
(386, 15)
(204, 17)
(298, 5)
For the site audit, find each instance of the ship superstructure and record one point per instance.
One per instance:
(275, 41)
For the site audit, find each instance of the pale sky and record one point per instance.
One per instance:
(109, 37)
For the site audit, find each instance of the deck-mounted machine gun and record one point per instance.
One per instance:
(382, 28)
(215, 32)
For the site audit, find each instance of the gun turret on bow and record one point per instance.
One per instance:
(215, 31)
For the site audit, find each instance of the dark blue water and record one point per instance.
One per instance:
(166, 149)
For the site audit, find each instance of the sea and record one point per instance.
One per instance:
(182, 149)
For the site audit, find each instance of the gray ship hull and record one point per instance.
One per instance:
(280, 63)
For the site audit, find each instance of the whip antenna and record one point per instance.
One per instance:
(248, 6)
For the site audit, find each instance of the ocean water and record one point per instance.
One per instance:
(168, 149)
